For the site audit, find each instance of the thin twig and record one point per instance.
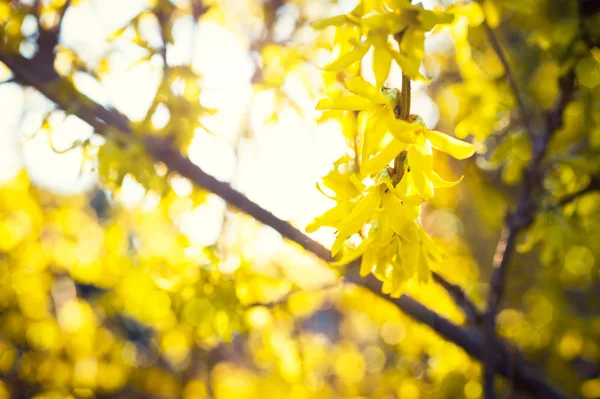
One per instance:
(502, 255)
(61, 14)
(163, 19)
(594, 185)
(461, 299)
(511, 79)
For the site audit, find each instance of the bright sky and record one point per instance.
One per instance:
(278, 167)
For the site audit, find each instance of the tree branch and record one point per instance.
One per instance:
(594, 185)
(457, 294)
(101, 118)
(510, 365)
(511, 79)
(516, 221)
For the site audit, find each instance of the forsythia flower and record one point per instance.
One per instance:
(379, 119)
(385, 214)
(376, 21)
(346, 191)
(377, 207)
(396, 247)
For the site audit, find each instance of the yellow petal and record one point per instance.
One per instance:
(409, 253)
(338, 20)
(313, 226)
(357, 183)
(412, 211)
(398, 282)
(373, 128)
(338, 244)
(395, 213)
(367, 263)
(352, 102)
(457, 148)
(413, 40)
(407, 192)
(385, 21)
(375, 20)
(430, 18)
(351, 254)
(366, 7)
(382, 61)
(424, 185)
(381, 160)
(345, 60)
(429, 246)
(338, 183)
(420, 160)
(358, 86)
(385, 232)
(361, 213)
(423, 271)
(403, 130)
(330, 218)
(331, 197)
(441, 183)
(409, 67)
(381, 267)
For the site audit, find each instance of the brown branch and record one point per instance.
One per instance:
(510, 366)
(503, 252)
(163, 17)
(198, 9)
(516, 221)
(61, 14)
(101, 118)
(594, 185)
(461, 299)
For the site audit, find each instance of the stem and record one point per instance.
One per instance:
(405, 110)
(504, 250)
(403, 103)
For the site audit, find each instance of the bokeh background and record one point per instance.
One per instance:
(111, 286)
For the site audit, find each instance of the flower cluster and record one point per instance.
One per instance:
(370, 25)
(395, 247)
(377, 206)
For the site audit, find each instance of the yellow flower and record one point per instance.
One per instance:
(379, 108)
(418, 141)
(346, 192)
(400, 261)
(420, 161)
(378, 117)
(365, 97)
(377, 21)
(396, 248)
